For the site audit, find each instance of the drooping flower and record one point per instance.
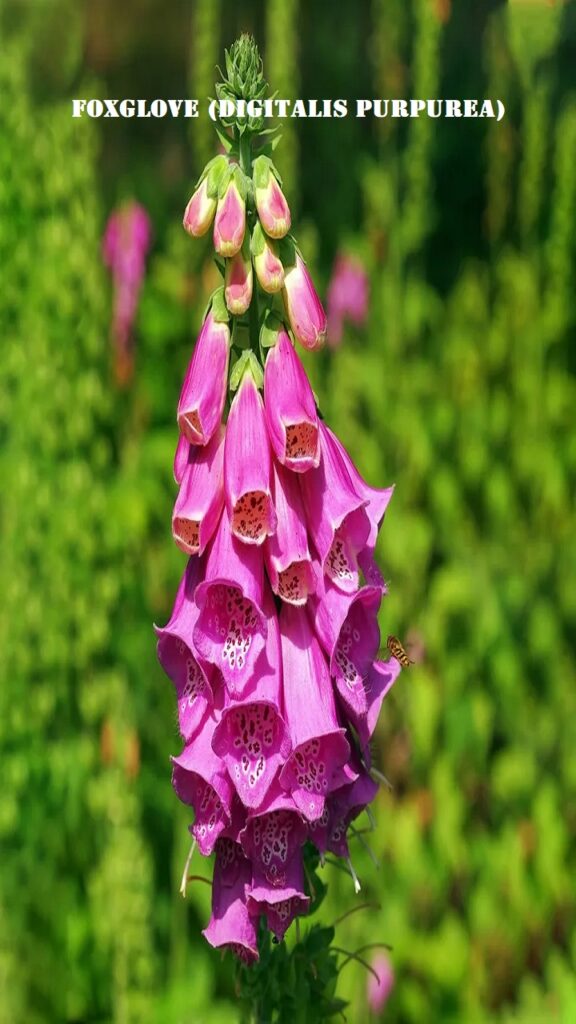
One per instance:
(303, 307)
(204, 390)
(280, 905)
(125, 245)
(288, 560)
(238, 282)
(271, 204)
(337, 519)
(378, 992)
(251, 737)
(180, 660)
(201, 208)
(230, 220)
(267, 263)
(201, 497)
(247, 465)
(318, 740)
(231, 629)
(289, 403)
(347, 297)
(379, 681)
(201, 780)
(273, 834)
(231, 925)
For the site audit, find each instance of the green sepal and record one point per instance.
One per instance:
(218, 306)
(261, 170)
(240, 181)
(225, 180)
(225, 139)
(247, 363)
(258, 240)
(270, 329)
(287, 250)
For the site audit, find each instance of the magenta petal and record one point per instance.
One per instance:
(273, 834)
(319, 743)
(304, 309)
(290, 408)
(379, 681)
(344, 806)
(280, 905)
(204, 390)
(200, 779)
(201, 497)
(337, 519)
(347, 627)
(251, 737)
(181, 456)
(178, 657)
(377, 498)
(247, 466)
(230, 221)
(231, 628)
(287, 555)
(231, 926)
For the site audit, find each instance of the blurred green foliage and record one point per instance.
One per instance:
(461, 389)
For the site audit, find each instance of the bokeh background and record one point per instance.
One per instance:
(459, 386)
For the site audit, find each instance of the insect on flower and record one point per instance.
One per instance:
(397, 651)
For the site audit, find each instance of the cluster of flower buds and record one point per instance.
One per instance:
(272, 643)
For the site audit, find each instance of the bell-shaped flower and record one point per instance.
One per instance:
(201, 780)
(289, 403)
(273, 835)
(181, 456)
(337, 519)
(179, 658)
(280, 905)
(238, 282)
(319, 745)
(251, 737)
(288, 561)
(347, 627)
(303, 307)
(267, 263)
(204, 390)
(230, 220)
(344, 805)
(379, 680)
(231, 926)
(377, 500)
(201, 497)
(271, 204)
(231, 629)
(247, 464)
(201, 208)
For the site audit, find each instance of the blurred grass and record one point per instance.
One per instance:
(460, 389)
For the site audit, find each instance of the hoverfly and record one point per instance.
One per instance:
(397, 651)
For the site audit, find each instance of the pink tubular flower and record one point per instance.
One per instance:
(201, 497)
(319, 743)
(201, 208)
(347, 297)
(230, 222)
(251, 737)
(271, 204)
(181, 456)
(378, 992)
(179, 659)
(267, 264)
(379, 680)
(280, 905)
(231, 629)
(344, 805)
(247, 466)
(231, 926)
(303, 307)
(290, 408)
(204, 391)
(347, 627)
(200, 779)
(287, 555)
(124, 247)
(377, 500)
(273, 834)
(337, 519)
(238, 283)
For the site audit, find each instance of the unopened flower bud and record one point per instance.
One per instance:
(269, 269)
(230, 222)
(271, 203)
(238, 282)
(201, 208)
(304, 309)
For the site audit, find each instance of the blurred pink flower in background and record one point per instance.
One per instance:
(347, 296)
(379, 991)
(124, 246)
